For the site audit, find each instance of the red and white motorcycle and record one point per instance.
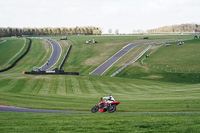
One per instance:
(104, 107)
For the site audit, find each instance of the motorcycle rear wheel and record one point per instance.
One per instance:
(112, 108)
(94, 109)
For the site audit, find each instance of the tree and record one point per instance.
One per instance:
(6, 32)
(116, 32)
(110, 31)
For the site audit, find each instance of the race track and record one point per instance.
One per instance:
(54, 56)
(107, 64)
(17, 109)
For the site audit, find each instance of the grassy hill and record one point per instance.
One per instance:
(173, 63)
(184, 58)
(86, 89)
(10, 51)
(39, 53)
(83, 92)
(132, 88)
(84, 58)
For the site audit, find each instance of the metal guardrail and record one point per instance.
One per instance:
(132, 61)
(67, 53)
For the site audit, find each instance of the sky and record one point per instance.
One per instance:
(124, 15)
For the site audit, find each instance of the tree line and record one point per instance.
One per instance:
(187, 28)
(8, 32)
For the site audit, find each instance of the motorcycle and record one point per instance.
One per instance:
(104, 107)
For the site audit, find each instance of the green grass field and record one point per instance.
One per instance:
(93, 123)
(84, 58)
(83, 92)
(9, 51)
(181, 58)
(139, 88)
(39, 53)
(173, 64)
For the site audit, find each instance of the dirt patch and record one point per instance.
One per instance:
(154, 47)
(47, 46)
(153, 77)
(145, 68)
(131, 55)
(39, 77)
(96, 60)
(99, 59)
(63, 43)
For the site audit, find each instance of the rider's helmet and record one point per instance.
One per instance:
(110, 95)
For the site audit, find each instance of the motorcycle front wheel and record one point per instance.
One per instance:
(94, 109)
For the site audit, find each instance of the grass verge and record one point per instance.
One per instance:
(101, 122)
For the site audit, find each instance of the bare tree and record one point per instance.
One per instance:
(116, 32)
(110, 31)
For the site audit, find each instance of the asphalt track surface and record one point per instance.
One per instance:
(54, 56)
(17, 109)
(107, 64)
(4, 108)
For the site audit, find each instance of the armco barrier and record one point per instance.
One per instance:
(51, 73)
(60, 67)
(132, 61)
(12, 65)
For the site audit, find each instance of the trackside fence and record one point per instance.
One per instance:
(67, 53)
(132, 61)
(12, 65)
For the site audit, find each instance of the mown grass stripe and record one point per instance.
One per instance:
(4, 83)
(45, 88)
(111, 88)
(38, 86)
(7, 84)
(75, 85)
(61, 86)
(105, 88)
(97, 87)
(139, 88)
(83, 86)
(19, 86)
(28, 85)
(129, 88)
(90, 86)
(53, 89)
(119, 89)
(68, 85)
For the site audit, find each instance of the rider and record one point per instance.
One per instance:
(110, 99)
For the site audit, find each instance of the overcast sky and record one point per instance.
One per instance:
(125, 15)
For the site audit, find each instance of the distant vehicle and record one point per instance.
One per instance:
(63, 38)
(146, 38)
(179, 43)
(195, 37)
(167, 44)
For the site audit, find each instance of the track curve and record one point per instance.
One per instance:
(55, 56)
